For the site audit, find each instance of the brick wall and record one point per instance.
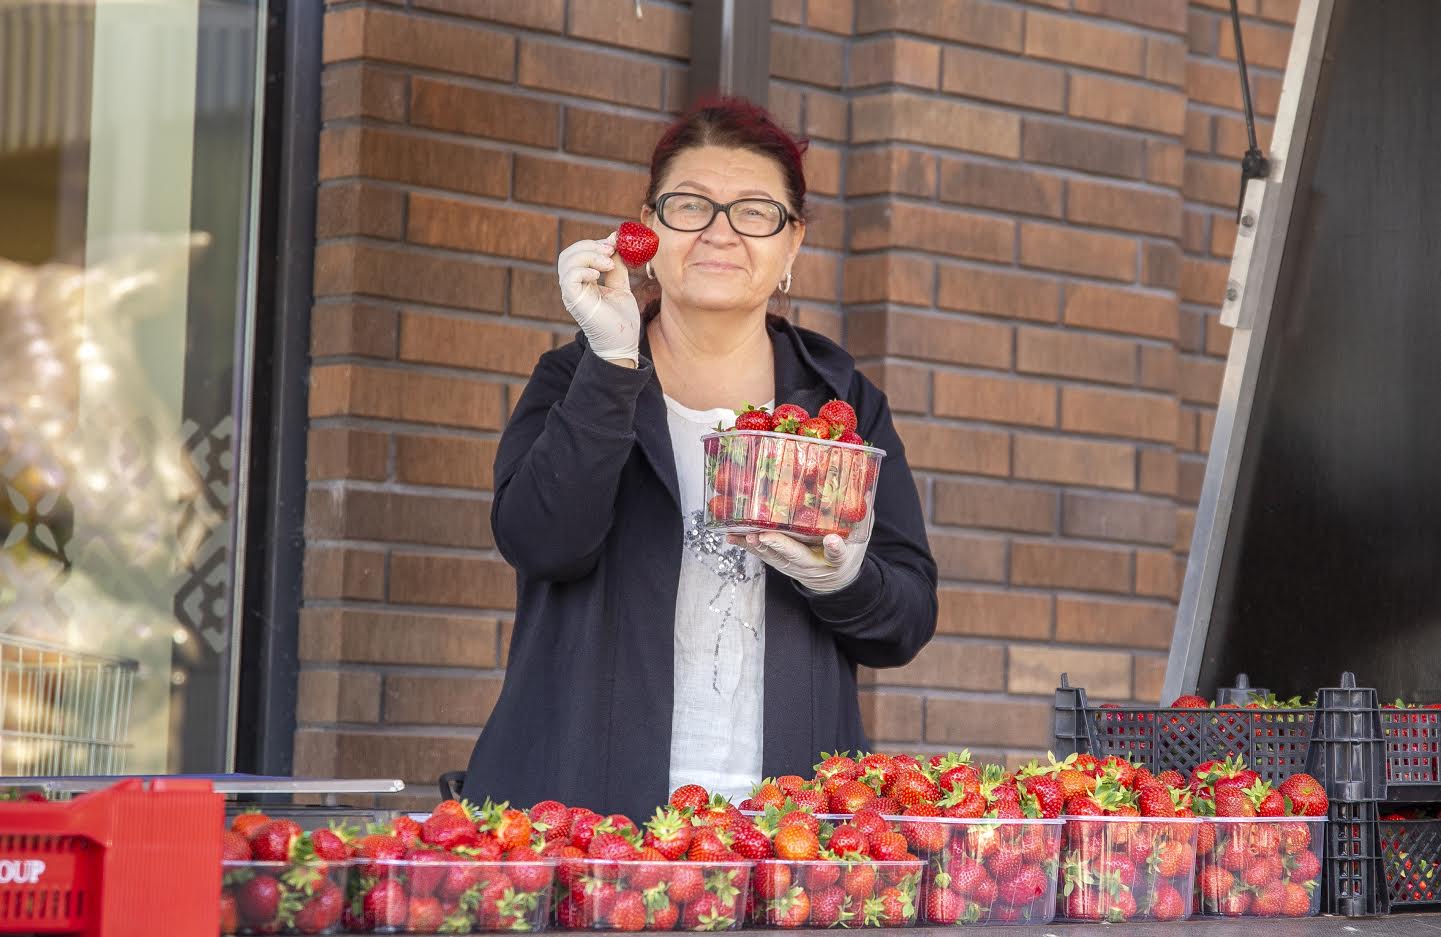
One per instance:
(1019, 229)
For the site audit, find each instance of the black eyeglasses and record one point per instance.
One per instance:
(752, 217)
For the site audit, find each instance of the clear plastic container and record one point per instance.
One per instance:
(283, 897)
(1119, 869)
(447, 894)
(757, 481)
(985, 871)
(604, 894)
(1260, 867)
(830, 893)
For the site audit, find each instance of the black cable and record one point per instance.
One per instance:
(1254, 164)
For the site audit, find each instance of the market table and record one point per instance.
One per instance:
(1397, 925)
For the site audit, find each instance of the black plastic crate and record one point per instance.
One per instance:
(1413, 752)
(1411, 857)
(1355, 885)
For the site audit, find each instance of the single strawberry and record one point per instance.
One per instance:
(1121, 906)
(690, 796)
(1269, 901)
(801, 818)
(789, 417)
(822, 874)
(1234, 903)
(687, 883)
(234, 847)
(635, 243)
(859, 881)
(943, 906)
(582, 826)
(552, 819)
(611, 847)
(771, 879)
(898, 908)
(755, 418)
(321, 911)
(258, 900)
(272, 841)
(386, 905)
(460, 877)
(1297, 900)
(847, 839)
(838, 413)
(796, 843)
(628, 913)
(1190, 701)
(1155, 801)
(1025, 886)
(1233, 802)
(1307, 796)
(829, 907)
(1050, 797)
(379, 848)
(706, 845)
(790, 910)
(427, 870)
(1307, 868)
(527, 870)
(669, 832)
(815, 428)
(665, 916)
(459, 808)
(851, 797)
(247, 823)
(750, 842)
(1167, 903)
(229, 913)
(810, 799)
(448, 831)
(424, 915)
(913, 787)
(890, 847)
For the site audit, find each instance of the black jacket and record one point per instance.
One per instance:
(587, 511)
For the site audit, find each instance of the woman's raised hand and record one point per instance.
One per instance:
(595, 288)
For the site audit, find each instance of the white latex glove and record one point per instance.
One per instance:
(829, 567)
(595, 288)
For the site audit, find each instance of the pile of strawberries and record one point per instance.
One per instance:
(279, 879)
(803, 485)
(1408, 837)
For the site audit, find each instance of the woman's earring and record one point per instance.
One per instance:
(649, 275)
(786, 283)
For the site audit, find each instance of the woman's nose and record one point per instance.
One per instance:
(720, 230)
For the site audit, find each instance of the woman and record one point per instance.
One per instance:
(649, 652)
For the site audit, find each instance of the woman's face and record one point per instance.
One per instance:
(716, 268)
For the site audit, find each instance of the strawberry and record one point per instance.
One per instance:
(1269, 900)
(406, 829)
(1307, 868)
(381, 849)
(1214, 883)
(822, 874)
(796, 843)
(635, 243)
(708, 846)
(692, 796)
(1025, 886)
(829, 907)
(792, 909)
(890, 847)
(526, 869)
(859, 881)
(628, 912)
(1121, 906)
(258, 900)
(913, 787)
(1155, 801)
(847, 839)
(898, 908)
(611, 847)
(1296, 838)
(1167, 903)
(329, 845)
(1234, 903)
(460, 877)
(229, 914)
(851, 797)
(1232, 802)
(512, 828)
(424, 916)
(427, 870)
(1050, 797)
(582, 826)
(789, 417)
(810, 799)
(687, 883)
(815, 428)
(750, 842)
(925, 838)
(666, 916)
(385, 905)
(669, 832)
(552, 818)
(771, 880)
(247, 823)
(448, 831)
(234, 847)
(321, 912)
(755, 418)
(801, 818)
(838, 413)
(1190, 701)
(459, 808)
(1297, 900)
(1307, 796)
(1262, 871)
(943, 906)
(271, 842)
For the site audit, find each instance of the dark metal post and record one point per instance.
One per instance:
(731, 49)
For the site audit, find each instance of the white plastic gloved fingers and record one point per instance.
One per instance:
(595, 288)
(829, 567)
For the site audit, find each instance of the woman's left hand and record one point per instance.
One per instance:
(827, 567)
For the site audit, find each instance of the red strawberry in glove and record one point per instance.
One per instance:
(635, 243)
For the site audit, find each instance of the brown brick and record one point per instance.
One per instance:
(815, 276)
(350, 209)
(890, 169)
(1166, 61)
(360, 90)
(1160, 367)
(446, 461)
(418, 759)
(936, 122)
(955, 449)
(891, 716)
(355, 390)
(889, 278)
(1120, 310)
(1205, 425)
(1166, 163)
(481, 229)
(1223, 237)
(976, 22)
(907, 387)
(1218, 337)
(563, 183)
(1168, 15)
(1111, 517)
(437, 45)
(440, 700)
(349, 268)
(1201, 379)
(994, 613)
(547, 15)
(395, 517)
(1119, 413)
(822, 319)
(1071, 566)
(363, 636)
(1212, 182)
(1129, 208)
(1215, 83)
(1090, 149)
(466, 581)
(1195, 225)
(1003, 79)
(1075, 462)
(1158, 471)
(822, 166)
(337, 452)
(1190, 476)
(1125, 624)
(352, 329)
(808, 57)
(1282, 11)
(470, 343)
(969, 557)
(1077, 41)
(1161, 265)
(1267, 46)
(895, 60)
(971, 503)
(826, 226)
(956, 722)
(536, 294)
(1185, 527)
(1202, 29)
(1068, 354)
(953, 665)
(442, 105)
(1033, 669)
(875, 333)
(995, 399)
(1186, 433)
(1158, 573)
(999, 293)
(661, 29)
(344, 573)
(786, 104)
(1192, 338)
(1203, 281)
(833, 16)
(1052, 247)
(330, 696)
(1127, 103)
(827, 116)
(400, 156)
(1232, 139)
(1197, 138)
(788, 11)
(1150, 679)
(611, 136)
(590, 74)
(983, 185)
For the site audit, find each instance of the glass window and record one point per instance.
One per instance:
(129, 163)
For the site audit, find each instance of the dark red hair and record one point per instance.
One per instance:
(738, 124)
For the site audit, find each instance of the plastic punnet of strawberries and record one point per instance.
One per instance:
(685, 871)
(280, 879)
(807, 476)
(1259, 847)
(1129, 846)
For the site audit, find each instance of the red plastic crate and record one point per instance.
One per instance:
(119, 862)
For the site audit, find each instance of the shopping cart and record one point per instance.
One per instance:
(62, 711)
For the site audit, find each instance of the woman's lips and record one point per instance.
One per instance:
(715, 265)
